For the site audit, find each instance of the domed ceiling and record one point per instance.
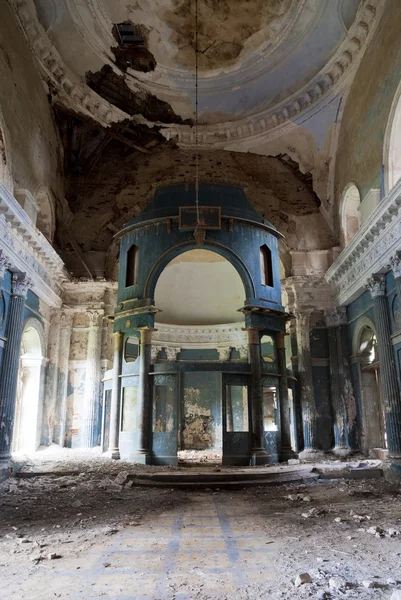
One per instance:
(252, 54)
(121, 78)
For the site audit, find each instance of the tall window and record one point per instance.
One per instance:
(266, 266)
(131, 276)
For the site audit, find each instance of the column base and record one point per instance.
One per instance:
(342, 451)
(113, 453)
(287, 453)
(142, 457)
(259, 456)
(311, 454)
(4, 469)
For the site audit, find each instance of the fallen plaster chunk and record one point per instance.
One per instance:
(302, 578)
(337, 583)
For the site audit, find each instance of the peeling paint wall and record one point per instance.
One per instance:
(201, 411)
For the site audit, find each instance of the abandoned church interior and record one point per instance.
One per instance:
(200, 299)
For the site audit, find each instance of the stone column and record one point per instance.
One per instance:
(308, 406)
(92, 379)
(342, 395)
(10, 362)
(259, 454)
(62, 378)
(114, 436)
(388, 373)
(144, 400)
(286, 452)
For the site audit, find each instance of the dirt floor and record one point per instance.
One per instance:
(88, 534)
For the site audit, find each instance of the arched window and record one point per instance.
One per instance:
(3, 158)
(350, 215)
(392, 144)
(266, 266)
(131, 275)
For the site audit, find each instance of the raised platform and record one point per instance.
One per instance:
(203, 477)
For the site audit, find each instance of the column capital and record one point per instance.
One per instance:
(20, 284)
(336, 316)
(376, 284)
(95, 318)
(4, 264)
(395, 264)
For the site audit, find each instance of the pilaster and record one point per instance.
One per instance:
(62, 375)
(259, 454)
(144, 400)
(286, 452)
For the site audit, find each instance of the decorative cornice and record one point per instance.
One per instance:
(29, 251)
(210, 336)
(369, 251)
(75, 93)
(81, 97)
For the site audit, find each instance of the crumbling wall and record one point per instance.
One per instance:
(33, 145)
(360, 147)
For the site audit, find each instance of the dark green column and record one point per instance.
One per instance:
(259, 454)
(144, 401)
(342, 395)
(306, 384)
(388, 373)
(286, 452)
(10, 362)
(113, 450)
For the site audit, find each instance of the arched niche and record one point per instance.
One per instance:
(29, 405)
(45, 220)
(350, 214)
(199, 287)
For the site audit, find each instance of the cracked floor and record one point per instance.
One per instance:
(137, 543)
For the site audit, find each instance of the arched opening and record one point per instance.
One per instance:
(373, 420)
(199, 287)
(131, 274)
(350, 214)
(29, 404)
(45, 220)
(199, 294)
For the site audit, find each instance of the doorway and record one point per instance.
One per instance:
(374, 425)
(30, 388)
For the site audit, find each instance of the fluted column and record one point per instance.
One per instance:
(144, 394)
(62, 377)
(259, 454)
(286, 451)
(308, 406)
(10, 362)
(388, 374)
(342, 395)
(114, 436)
(92, 379)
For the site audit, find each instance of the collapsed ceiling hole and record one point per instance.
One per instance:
(113, 88)
(132, 51)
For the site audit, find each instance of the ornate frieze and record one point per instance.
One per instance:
(210, 336)
(370, 251)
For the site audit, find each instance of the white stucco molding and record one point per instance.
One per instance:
(307, 293)
(28, 251)
(370, 251)
(224, 336)
(262, 125)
